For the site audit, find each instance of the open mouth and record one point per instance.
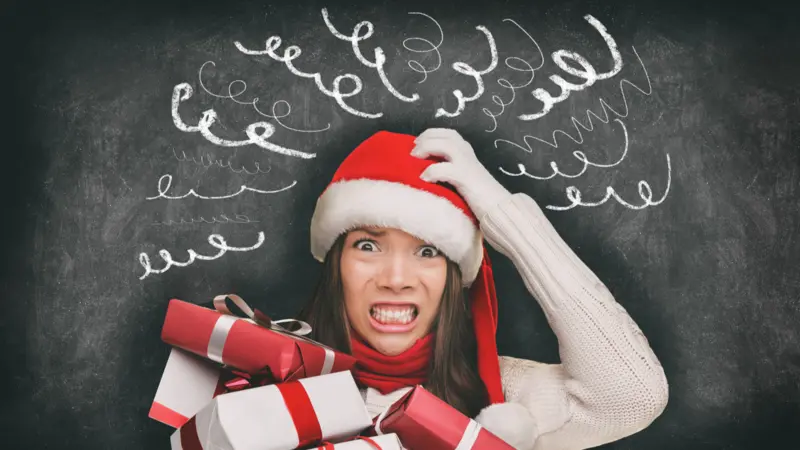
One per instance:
(393, 314)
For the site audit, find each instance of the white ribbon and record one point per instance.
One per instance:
(219, 335)
(470, 436)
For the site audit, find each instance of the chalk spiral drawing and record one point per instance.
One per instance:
(380, 57)
(588, 73)
(254, 101)
(507, 84)
(415, 65)
(580, 156)
(184, 91)
(477, 75)
(215, 240)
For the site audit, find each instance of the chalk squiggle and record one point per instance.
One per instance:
(380, 57)
(215, 240)
(222, 218)
(257, 132)
(589, 126)
(507, 84)
(477, 75)
(162, 191)
(579, 155)
(417, 66)
(645, 192)
(207, 161)
(254, 102)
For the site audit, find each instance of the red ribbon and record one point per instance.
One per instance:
(302, 411)
(329, 446)
(298, 403)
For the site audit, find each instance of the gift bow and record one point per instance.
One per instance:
(256, 316)
(216, 343)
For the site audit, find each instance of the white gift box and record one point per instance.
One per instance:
(187, 385)
(278, 417)
(385, 442)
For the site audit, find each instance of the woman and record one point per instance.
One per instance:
(400, 232)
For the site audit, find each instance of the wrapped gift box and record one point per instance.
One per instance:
(187, 385)
(244, 345)
(282, 416)
(382, 442)
(423, 421)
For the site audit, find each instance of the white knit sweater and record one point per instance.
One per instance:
(609, 384)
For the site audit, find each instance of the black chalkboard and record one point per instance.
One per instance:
(671, 166)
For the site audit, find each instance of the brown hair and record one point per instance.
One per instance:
(453, 374)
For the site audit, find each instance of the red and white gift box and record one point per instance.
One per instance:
(281, 416)
(423, 421)
(246, 345)
(382, 442)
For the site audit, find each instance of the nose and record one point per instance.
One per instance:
(397, 273)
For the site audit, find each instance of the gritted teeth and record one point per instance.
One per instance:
(394, 313)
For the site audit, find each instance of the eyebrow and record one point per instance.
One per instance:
(371, 232)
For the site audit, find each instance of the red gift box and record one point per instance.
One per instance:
(257, 346)
(423, 421)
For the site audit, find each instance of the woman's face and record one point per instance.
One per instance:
(393, 285)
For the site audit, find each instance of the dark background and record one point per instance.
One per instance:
(710, 274)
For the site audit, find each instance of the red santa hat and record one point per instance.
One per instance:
(379, 184)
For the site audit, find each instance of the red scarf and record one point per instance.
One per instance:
(389, 373)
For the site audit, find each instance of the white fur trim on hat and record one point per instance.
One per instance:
(352, 203)
(511, 422)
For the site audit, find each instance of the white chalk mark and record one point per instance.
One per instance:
(183, 92)
(222, 218)
(216, 241)
(254, 103)
(125, 183)
(165, 183)
(293, 52)
(207, 161)
(749, 185)
(415, 65)
(586, 72)
(507, 84)
(589, 126)
(580, 156)
(380, 57)
(645, 193)
(466, 69)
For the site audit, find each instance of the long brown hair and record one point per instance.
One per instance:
(453, 374)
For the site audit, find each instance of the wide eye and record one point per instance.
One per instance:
(428, 251)
(367, 245)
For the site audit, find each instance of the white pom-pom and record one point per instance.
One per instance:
(510, 422)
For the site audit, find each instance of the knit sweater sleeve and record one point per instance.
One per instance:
(609, 384)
